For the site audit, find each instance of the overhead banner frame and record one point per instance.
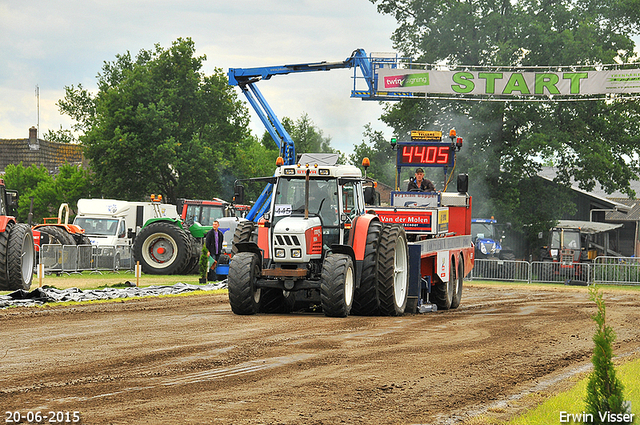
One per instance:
(507, 85)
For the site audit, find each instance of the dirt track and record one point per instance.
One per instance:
(190, 360)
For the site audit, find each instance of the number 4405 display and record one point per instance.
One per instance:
(436, 154)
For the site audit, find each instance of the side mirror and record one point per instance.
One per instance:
(371, 197)
(463, 183)
(238, 193)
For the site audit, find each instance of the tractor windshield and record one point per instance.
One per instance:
(570, 240)
(205, 214)
(323, 199)
(483, 230)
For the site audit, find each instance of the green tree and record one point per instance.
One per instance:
(159, 125)
(381, 156)
(604, 389)
(71, 183)
(306, 136)
(60, 136)
(590, 142)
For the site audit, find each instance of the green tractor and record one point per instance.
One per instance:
(173, 246)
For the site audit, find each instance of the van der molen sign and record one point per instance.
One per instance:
(500, 83)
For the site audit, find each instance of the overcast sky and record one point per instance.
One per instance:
(54, 44)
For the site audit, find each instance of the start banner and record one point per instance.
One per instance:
(509, 83)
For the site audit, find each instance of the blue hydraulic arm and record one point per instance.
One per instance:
(245, 78)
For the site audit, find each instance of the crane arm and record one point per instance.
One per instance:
(246, 79)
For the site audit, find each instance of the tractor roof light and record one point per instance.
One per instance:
(279, 161)
(365, 162)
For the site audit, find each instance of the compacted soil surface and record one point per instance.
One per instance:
(191, 360)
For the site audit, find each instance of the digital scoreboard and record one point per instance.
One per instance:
(426, 149)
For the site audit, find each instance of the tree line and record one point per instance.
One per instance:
(157, 124)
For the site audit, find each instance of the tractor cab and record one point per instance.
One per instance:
(319, 199)
(573, 241)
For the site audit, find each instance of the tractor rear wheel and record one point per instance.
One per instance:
(58, 235)
(244, 294)
(21, 257)
(365, 299)
(337, 285)
(393, 270)
(443, 292)
(162, 248)
(4, 250)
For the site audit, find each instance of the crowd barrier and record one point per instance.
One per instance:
(78, 258)
(603, 270)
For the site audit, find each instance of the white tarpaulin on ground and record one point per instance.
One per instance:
(509, 83)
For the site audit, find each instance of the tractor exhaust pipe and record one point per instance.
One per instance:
(306, 195)
(30, 216)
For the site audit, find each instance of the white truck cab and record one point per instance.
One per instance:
(115, 222)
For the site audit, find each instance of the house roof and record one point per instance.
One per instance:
(625, 209)
(38, 152)
(631, 214)
(550, 173)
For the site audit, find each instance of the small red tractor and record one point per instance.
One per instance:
(17, 252)
(572, 247)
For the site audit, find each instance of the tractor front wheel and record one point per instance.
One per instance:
(337, 285)
(244, 294)
(244, 233)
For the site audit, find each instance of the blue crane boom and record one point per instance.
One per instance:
(246, 79)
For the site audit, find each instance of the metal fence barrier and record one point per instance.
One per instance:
(603, 270)
(77, 258)
(617, 270)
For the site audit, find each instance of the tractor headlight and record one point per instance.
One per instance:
(279, 253)
(296, 253)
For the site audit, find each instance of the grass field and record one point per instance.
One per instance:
(572, 401)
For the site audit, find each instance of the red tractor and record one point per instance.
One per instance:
(17, 252)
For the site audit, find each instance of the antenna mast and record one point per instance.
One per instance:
(38, 109)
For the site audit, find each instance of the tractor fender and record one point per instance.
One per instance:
(175, 221)
(358, 234)
(4, 220)
(249, 247)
